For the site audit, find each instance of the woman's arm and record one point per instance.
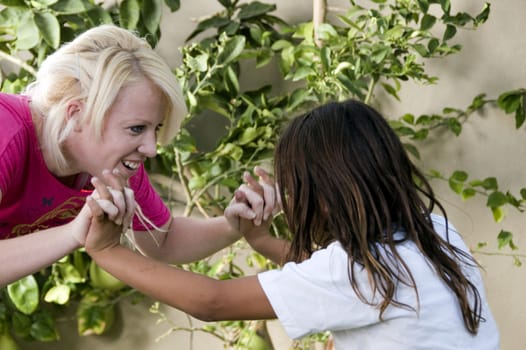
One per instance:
(186, 239)
(24, 255)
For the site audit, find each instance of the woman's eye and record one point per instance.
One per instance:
(137, 129)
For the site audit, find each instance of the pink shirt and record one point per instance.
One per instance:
(32, 198)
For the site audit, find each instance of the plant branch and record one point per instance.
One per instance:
(18, 62)
(319, 8)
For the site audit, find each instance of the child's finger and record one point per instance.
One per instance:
(241, 210)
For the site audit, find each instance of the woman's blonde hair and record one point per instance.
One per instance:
(93, 68)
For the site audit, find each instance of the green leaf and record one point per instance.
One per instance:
(496, 199)
(459, 176)
(523, 193)
(302, 73)
(43, 328)
(421, 49)
(129, 14)
(13, 3)
(248, 135)
(99, 16)
(232, 49)
(213, 22)
(280, 45)
(391, 90)
(490, 183)
(498, 214)
(412, 150)
(468, 193)
(432, 45)
(297, 97)
(173, 5)
(378, 55)
(325, 55)
(254, 9)
(424, 5)
(58, 294)
(450, 32)
(454, 125)
(510, 101)
(198, 63)
(446, 6)
(24, 294)
(483, 15)
(95, 314)
(151, 14)
(456, 181)
(231, 82)
(69, 7)
(505, 238)
(21, 324)
(428, 21)
(49, 28)
(27, 32)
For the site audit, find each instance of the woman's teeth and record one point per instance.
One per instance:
(131, 165)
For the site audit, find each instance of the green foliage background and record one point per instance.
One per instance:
(362, 51)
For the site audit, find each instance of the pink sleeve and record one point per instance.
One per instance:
(149, 200)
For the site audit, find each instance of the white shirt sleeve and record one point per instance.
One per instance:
(316, 295)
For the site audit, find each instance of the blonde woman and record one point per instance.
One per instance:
(102, 101)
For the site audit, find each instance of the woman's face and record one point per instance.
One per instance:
(129, 133)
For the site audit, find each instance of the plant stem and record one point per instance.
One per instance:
(18, 62)
(370, 89)
(319, 8)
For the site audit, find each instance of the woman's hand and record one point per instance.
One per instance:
(112, 197)
(118, 194)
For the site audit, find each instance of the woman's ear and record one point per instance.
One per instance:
(74, 112)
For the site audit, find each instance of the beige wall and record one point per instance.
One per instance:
(493, 60)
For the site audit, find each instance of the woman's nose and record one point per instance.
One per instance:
(149, 146)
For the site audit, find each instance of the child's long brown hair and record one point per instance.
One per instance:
(344, 176)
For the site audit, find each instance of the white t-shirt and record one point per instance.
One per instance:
(316, 296)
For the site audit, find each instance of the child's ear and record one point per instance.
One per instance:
(74, 112)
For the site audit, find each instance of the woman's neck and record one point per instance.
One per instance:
(68, 177)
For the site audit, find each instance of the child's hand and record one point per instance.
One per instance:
(253, 201)
(103, 233)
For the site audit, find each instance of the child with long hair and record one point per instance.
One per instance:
(370, 259)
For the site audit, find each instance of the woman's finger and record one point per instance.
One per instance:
(116, 182)
(130, 208)
(95, 209)
(120, 204)
(255, 201)
(101, 188)
(109, 208)
(269, 193)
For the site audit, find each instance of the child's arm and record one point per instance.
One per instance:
(202, 297)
